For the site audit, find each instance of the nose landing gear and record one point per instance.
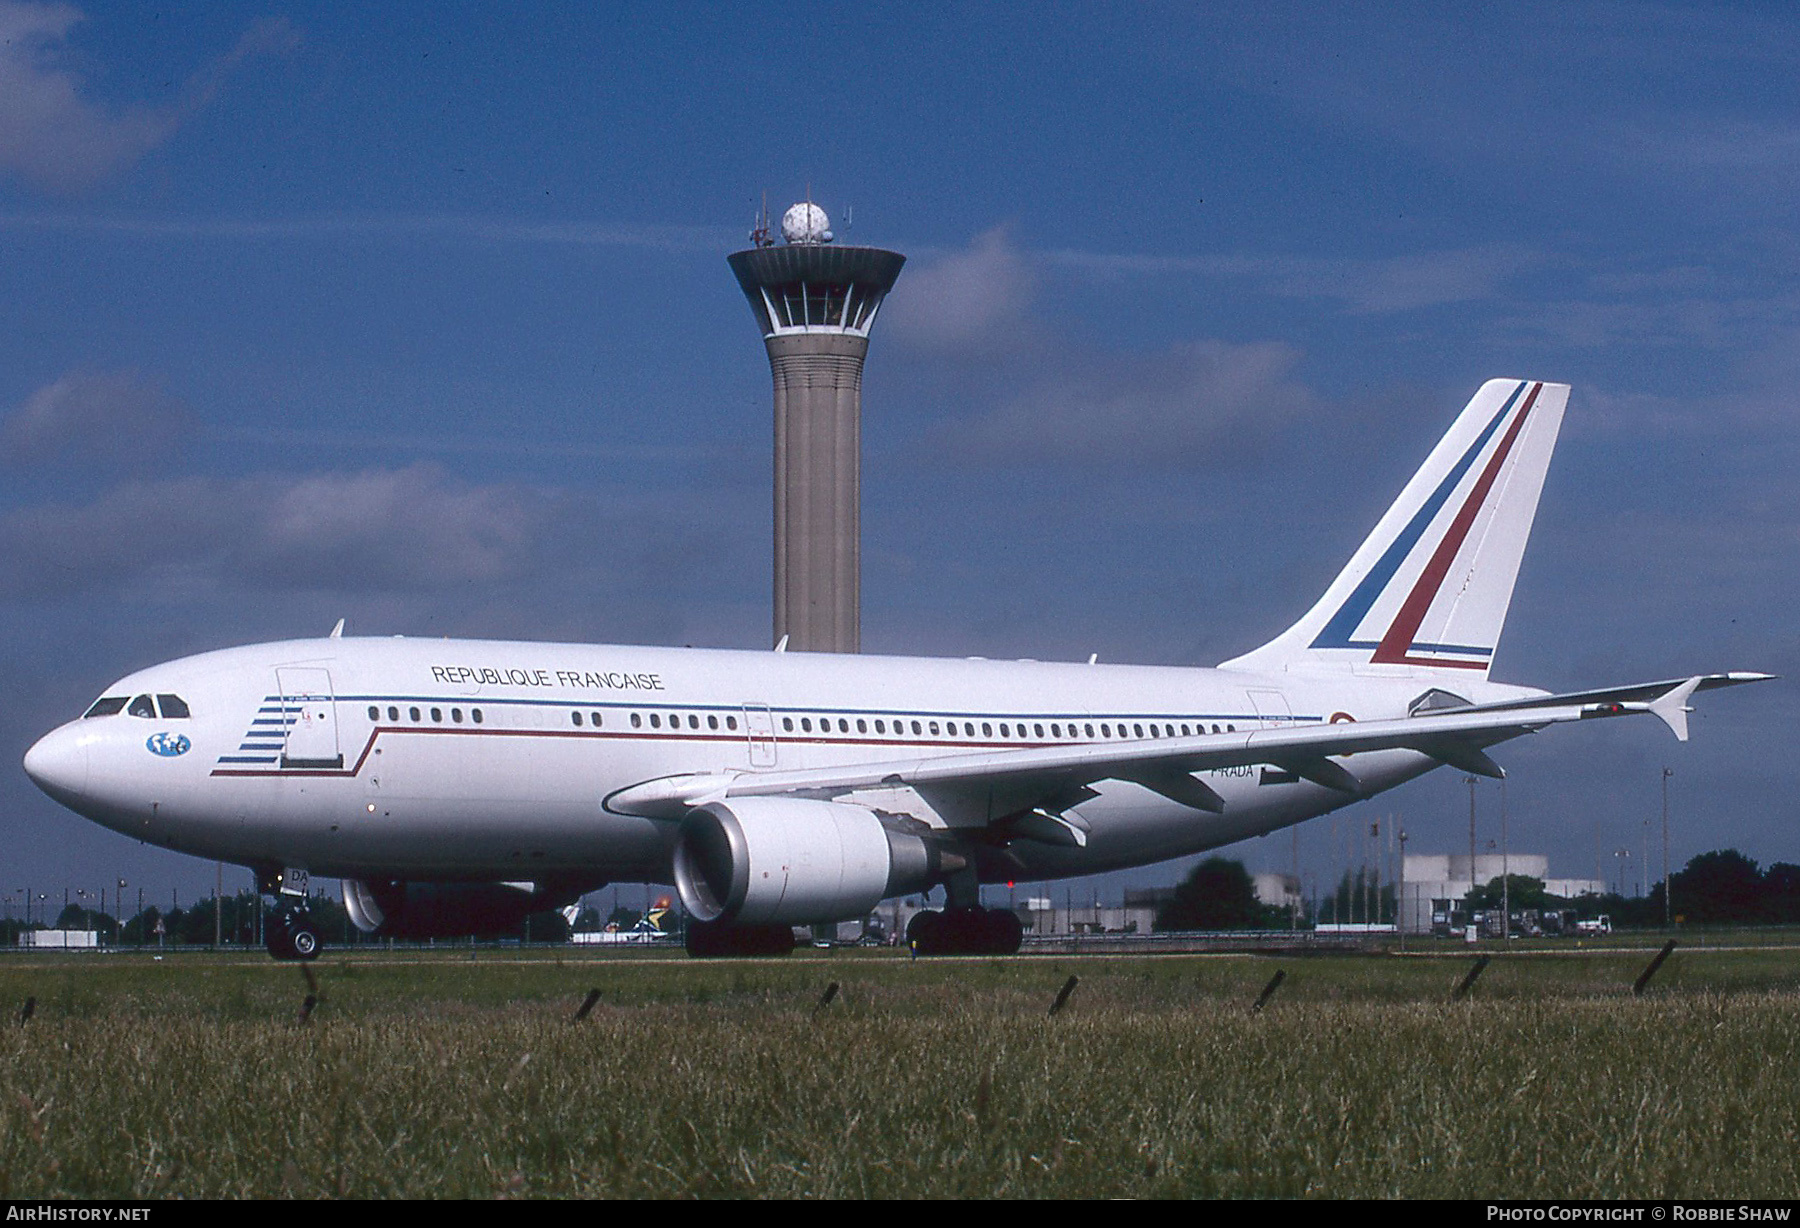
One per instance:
(288, 931)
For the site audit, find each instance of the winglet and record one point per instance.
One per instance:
(1671, 707)
(337, 632)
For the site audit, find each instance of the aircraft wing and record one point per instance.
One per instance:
(1054, 778)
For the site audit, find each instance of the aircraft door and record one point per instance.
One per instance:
(759, 727)
(310, 711)
(1271, 708)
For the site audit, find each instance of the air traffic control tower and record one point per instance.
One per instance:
(815, 302)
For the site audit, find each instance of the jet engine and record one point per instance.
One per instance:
(791, 861)
(396, 909)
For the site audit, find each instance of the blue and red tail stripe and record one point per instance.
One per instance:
(1397, 645)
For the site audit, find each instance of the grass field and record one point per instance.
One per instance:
(452, 1075)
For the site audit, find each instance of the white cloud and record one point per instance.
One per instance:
(399, 530)
(1173, 408)
(60, 141)
(117, 418)
(971, 300)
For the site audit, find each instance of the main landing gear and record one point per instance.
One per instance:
(965, 931)
(710, 940)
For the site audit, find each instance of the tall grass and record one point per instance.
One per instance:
(451, 1077)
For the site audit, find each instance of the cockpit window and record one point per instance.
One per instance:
(174, 707)
(108, 706)
(141, 706)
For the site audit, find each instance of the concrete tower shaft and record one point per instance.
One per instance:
(815, 304)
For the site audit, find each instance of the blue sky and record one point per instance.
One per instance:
(419, 316)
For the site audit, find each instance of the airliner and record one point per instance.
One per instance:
(454, 785)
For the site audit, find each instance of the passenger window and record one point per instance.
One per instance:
(437, 714)
(374, 713)
(693, 721)
(413, 712)
(731, 722)
(1038, 730)
(476, 713)
(1090, 730)
(1106, 731)
(1003, 732)
(862, 726)
(655, 721)
(637, 721)
(987, 730)
(174, 707)
(916, 728)
(142, 706)
(712, 722)
(806, 724)
(787, 724)
(933, 728)
(1056, 731)
(393, 713)
(575, 719)
(456, 715)
(109, 706)
(843, 725)
(593, 719)
(880, 725)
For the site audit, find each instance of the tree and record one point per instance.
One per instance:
(1358, 899)
(1217, 894)
(1517, 890)
(1781, 887)
(1720, 886)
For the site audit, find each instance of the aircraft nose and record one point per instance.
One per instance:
(58, 764)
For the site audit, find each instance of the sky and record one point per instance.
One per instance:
(419, 316)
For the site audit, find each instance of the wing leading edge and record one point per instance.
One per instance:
(1052, 779)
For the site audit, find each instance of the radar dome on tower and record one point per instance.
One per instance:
(806, 223)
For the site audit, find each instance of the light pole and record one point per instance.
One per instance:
(1668, 912)
(1505, 874)
(1470, 781)
(1401, 917)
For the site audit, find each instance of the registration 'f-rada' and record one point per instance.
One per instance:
(456, 784)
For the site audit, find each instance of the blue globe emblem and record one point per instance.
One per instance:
(168, 745)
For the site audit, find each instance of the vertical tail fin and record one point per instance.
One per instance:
(1428, 589)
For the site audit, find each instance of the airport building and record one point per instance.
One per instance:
(1433, 877)
(815, 302)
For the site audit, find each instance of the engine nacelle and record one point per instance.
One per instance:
(445, 910)
(793, 861)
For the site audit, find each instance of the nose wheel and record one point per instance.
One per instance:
(291, 934)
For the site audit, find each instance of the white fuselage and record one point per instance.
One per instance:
(478, 760)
